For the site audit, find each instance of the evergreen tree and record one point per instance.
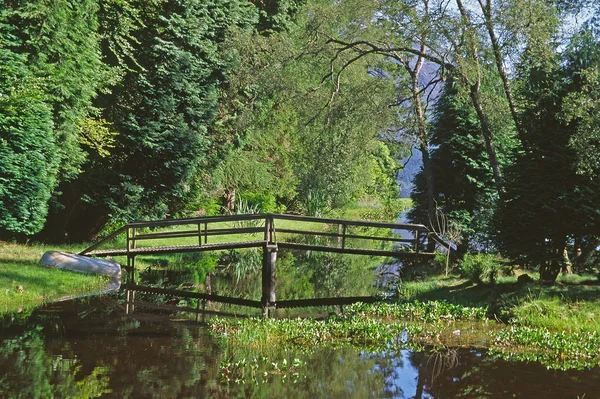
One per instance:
(549, 204)
(464, 184)
(28, 161)
(161, 111)
(51, 71)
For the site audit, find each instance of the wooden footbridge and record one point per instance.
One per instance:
(270, 232)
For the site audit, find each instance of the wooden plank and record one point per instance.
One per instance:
(194, 233)
(190, 294)
(337, 235)
(365, 223)
(173, 308)
(104, 240)
(302, 303)
(203, 219)
(355, 251)
(177, 249)
(255, 244)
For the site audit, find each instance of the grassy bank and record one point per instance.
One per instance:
(570, 305)
(24, 284)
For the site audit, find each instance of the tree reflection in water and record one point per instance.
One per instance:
(90, 348)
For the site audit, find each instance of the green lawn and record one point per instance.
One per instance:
(571, 304)
(24, 284)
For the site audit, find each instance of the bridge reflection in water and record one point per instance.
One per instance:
(241, 231)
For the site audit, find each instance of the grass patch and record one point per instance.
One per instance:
(24, 284)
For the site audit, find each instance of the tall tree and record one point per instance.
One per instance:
(549, 204)
(464, 190)
(56, 62)
(303, 129)
(28, 161)
(161, 110)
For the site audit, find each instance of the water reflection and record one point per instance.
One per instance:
(91, 349)
(99, 347)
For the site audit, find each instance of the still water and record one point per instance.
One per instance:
(94, 347)
(91, 348)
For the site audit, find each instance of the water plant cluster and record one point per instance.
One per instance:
(259, 370)
(381, 327)
(428, 312)
(556, 350)
(375, 327)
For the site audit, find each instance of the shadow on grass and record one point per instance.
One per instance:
(24, 278)
(21, 262)
(502, 296)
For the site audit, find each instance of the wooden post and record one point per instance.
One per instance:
(130, 256)
(268, 278)
(199, 234)
(268, 227)
(132, 269)
(417, 241)
(130, 302)
(340, 235)
(197, 309)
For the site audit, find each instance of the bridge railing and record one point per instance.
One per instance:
(256, 230)
(270, 232)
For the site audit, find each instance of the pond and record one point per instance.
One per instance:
(90, 348)
(98, 347)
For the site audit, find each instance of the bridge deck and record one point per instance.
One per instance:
(175, 249)
(252, 244)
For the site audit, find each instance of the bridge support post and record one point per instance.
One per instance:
(269, 269)
(268, 279)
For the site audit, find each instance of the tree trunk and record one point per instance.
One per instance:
(229, 201)
(488, 138)
(585, 250)
(487, 13)
(567, 265)
(423, 138)
(554, 263)
(474, 91)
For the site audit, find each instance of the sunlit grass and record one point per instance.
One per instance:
(570, 305)
(24, 284)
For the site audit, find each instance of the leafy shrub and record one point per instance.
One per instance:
(480, 268)
(316, 203)
(203, 205)
(265, 202)
(28, 158)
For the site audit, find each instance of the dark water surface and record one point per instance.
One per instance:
(91, 348)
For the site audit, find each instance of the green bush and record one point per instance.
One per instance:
(480, 267)
(316, 203)
(263, 202)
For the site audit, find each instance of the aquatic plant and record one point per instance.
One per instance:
(555, 350)
(376, 327)
(259, 370)
(428, 312)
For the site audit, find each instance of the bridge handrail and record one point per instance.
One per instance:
(364, 223)
(418, 228)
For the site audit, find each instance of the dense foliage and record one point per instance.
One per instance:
(120, 110)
